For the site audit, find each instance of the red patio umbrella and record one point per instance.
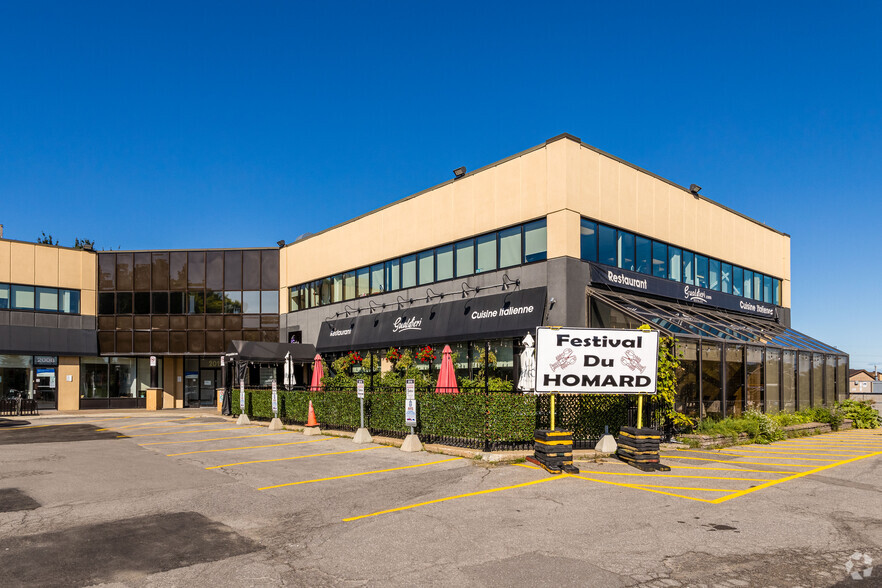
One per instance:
(318, 372)
(447, 374)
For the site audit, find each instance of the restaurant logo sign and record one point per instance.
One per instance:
(411, 324)
(601, 274)
(594, 361)
(340, 332)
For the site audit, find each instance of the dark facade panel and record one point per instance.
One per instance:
(19, 340)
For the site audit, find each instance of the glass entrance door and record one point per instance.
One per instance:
(45, 388)
(208, 378)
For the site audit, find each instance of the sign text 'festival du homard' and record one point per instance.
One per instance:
(594, 361)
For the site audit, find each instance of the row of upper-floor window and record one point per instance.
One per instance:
(39, 298)
(615, 247)
(190, 302)
(509, 247)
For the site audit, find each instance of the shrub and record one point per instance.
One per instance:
(861, 413)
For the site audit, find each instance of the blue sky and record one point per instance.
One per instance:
(207, 124)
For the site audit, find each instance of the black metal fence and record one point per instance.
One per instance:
(18, 405)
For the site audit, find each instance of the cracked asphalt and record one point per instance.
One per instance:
(187, 498)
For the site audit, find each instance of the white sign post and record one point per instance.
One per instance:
(275, 399)
(362, 435)
(243, 418)
(410, 405)
(596, 361)
(360, 391)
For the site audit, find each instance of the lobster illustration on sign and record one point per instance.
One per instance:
(565, 358)
(631, 360)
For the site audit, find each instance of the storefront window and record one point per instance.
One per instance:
(47, 299)
(757, 286)
(747, 292)
(502, 350)
(16, 376)
(711, 381)
(337, 288)
(588, 240)
(232, 302)
(607, 245)
(788, 381)
(377, 279)
(687, 378)
(121, 383)
(348, 286)
(773, 390)
(714, 274)
(726, 277)
(426, 264)
(408, 271)
(444, 262)
(23, 297)
(817, 380)
(767, 290)
(804, 380)
(644, 255)
(465, 258)
(251, 302)
(675, 263)
(841, 378)
(688, 268)
(535, 241)
(510, 247)
(829, 380)
(625, 250)
(734, 380)
(753, 363)
(393, 275)
(362, 282)
(701, 279)
(486, 253)
(659, 260)
(269, 302)
(737, 280)
(93, 377)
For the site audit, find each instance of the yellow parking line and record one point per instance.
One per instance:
(675, 476)
(636, 487)
(213, 439)
(158, 424)
(57, 425)
(186, 432)
(679, 467)
(710, 451)
(238, 448)
(757, 454)
(789, 465)
(685, 488)
(437, 500)
(793, 477)
(419, 465)
(793, 451)
(227, 465)
(842, 446)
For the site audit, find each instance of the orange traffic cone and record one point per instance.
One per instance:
(311, 421)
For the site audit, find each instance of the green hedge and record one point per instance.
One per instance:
(476, 416)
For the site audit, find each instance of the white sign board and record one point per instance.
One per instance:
(242, 396)
(595, 361)
(360, 388)
(152, 361)
(275, 399)
(410, 388)
(410, 412)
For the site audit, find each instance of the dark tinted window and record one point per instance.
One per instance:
(214, 270)
(269, 270)
(123, 303)
(196, 269)
(177, 270)
(142, 271)
(142, 302)
(124, 271)
(251, 270)
(106, 271)
(160, 302)
(160, 271)
(233, 270)
(106, 303)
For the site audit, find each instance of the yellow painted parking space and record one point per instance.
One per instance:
(214, 439)
(409, 467)
(795, 451)
(762, 455)
(28, 427)
(187, 432)
(458, 496)
(682, 467)
(242, 448)
(789, 465)
(227, 465)
(651, 475)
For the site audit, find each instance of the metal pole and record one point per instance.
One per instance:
(371, 355)
(487, 366)
(361, 407)
(552, 410)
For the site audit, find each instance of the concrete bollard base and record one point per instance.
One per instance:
(276, 425)
(606, 445)
(243, 419)
(362, 436)
(411, 444)
(312, 431)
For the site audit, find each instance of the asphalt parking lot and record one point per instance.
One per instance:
(182, 497)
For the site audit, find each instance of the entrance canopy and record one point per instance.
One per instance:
(270, 352)
(619, 310)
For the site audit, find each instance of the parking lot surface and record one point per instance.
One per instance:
(182, 497)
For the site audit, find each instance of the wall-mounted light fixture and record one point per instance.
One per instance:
(280, 243)
(459, 172)
(694, 189)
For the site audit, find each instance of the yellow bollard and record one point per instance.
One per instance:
(639, 412)
(552, 411)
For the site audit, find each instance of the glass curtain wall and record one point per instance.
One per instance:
(753, 363)
(773, 375)
(687, 399)
(804, 380)
(817, 380)
(711, 380)
(734, 380)
(788, 380)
